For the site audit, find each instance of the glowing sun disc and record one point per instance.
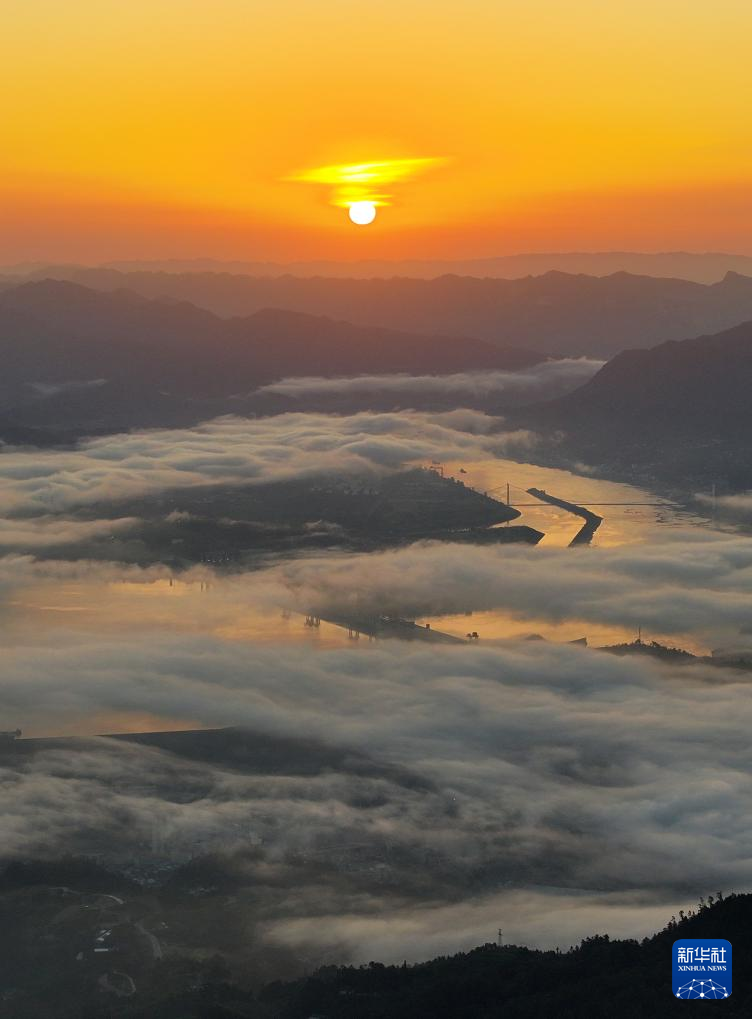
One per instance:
(362, 213)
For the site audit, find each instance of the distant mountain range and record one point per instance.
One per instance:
(557, 314)
(703, 267)
(76, 357)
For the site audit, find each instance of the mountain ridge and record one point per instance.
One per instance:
(168, 361)
(676, 415)
(557, 313)
(701, 266)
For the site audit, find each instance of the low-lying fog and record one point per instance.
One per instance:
(419, 796)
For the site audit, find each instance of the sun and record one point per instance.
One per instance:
(363, 188)
(362, 213)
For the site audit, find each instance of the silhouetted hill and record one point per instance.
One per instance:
(600, 977)
(699, 386)
(72, 355)
(681, 409)
(215, 960)
(555, 313)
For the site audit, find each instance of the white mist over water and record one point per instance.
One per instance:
(509, 777)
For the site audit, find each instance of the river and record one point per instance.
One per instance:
(116, 604)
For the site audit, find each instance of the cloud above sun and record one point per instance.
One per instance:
(366, 185)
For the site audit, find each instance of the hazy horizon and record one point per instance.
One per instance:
(560, 127)
(694, 266)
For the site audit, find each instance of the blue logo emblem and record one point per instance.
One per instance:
(702, 968)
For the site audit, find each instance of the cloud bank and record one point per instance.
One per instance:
(543, 378)
(234, 451)
(693, 582)
(738, 507)
(398, 783)
(389, 799)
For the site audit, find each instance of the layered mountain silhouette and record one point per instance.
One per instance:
(72, 355)
(81, 359)
(556, 313)
(704, 267)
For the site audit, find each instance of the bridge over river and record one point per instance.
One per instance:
(592, 520)
(375, 626)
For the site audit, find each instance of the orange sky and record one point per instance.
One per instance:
(172, 128)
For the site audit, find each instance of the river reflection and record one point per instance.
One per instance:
(115, 604)
(126, 606)
(630, 515)
(637, 516)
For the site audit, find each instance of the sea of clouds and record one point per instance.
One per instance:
(235, 451)
(467, 775)
(549, 789)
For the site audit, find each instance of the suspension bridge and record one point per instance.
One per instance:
(508, 488)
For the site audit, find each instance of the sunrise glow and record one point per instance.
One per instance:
(366, 184)
(576, 126)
